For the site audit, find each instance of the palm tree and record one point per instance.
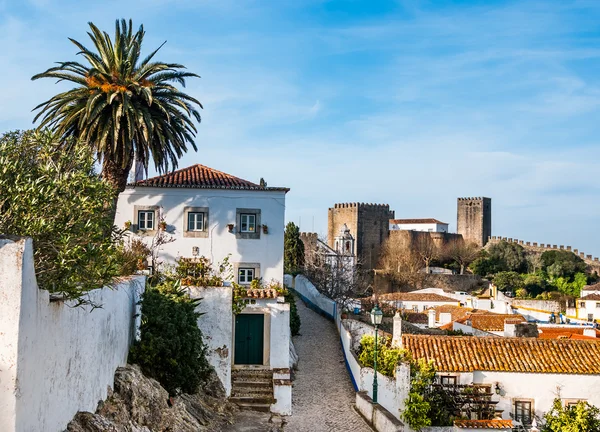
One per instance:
(124, 108)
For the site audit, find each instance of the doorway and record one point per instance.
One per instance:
(249, 339)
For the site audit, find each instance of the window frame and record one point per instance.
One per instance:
(186, 222)
(523, 403)
(448, 378)
(193, 224)
(253, 235)
(146, 221)
(137, 209)
(247, 223)
(247, 270)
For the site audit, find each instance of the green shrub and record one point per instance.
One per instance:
(294, 317)
(387, 358)
(134, 256)
(171, 349)
(58, 200)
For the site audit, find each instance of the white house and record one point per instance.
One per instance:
(428, 225)
(212, 214)
(417, 302)
(588, 307)
(205, 212)
(522, 375)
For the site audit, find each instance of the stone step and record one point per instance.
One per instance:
(255, 407)
(241, 385)
(252, 381)
(268, 399)
(252, 373)
(252, 392)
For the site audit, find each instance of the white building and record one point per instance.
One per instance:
(427, 225)
(208, 213)
(588, 307)
(212, 214)
(417, 302)
(521, 374)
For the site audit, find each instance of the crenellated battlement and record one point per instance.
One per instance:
(478, 199)
(362, 205)
(541, 247)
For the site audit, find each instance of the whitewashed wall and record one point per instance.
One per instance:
(55, 359)
(222, 205)
(216, 323)
(314, 298)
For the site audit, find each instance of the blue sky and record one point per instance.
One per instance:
(410, 103)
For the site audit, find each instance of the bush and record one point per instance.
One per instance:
(294, 317)
(134, 257)
(387, 357)
(508, 281)
(561, 263)
(171, 349)
(58, 200)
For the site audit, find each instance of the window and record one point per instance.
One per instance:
(598, 305)
(245, 275)
(415, 308)
(195, 221)
(582, 305)
(146, 220)
(523, 411)
(447, 380)
(247, 223)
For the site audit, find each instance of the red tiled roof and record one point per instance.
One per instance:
(591, 297)
(202, 177)
(483, 424)
(261, 293)
(417, 221)
(429, 297)
(417, 317)
(456, 312)
(500, 354)
(493, 322)
(565, 333)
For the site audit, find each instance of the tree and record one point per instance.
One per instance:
(400, 262)
(582, 417)
(293, 252)
(561, 263)
(426, 249)
(126, 108)
(508, 281)
(462, 252)
(170, 348)
(61, 203)
(511, 255)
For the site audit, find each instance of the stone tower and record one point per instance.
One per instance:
(369, 224)
(474, 221)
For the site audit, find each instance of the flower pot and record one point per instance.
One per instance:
(265, 229)
(344, 315)
(230, 227)
(162, 226)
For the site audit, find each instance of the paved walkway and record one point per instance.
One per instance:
(322, 397)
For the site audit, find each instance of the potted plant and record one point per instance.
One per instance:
(127, 225)
(265, 229)
(162, 225)
(230, 227)
(345, 314)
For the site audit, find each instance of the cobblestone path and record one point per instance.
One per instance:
(322, 397)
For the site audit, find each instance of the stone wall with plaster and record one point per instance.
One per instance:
(57, 359)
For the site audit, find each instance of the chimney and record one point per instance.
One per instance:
(431, 318)
(509, 329)
(589, 331)
(397, 331)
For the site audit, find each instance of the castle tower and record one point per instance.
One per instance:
(368, 224)
(474, 220)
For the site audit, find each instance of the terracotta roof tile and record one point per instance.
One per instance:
(202, 177)
(494, 354)
(484, 424)
(591, 297)
(417, 221)
(493, 322)
(417, 318)
(565, 333)
(261, 293)
(456, 312)
(430, 297)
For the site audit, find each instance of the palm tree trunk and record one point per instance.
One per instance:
(116, 175)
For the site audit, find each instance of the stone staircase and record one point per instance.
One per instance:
(252, 389)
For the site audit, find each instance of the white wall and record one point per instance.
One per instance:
(430, 227)
(541, 388)
(309, 294)
(56, 359)
(222, 205)
(418, 306)
(216, 324)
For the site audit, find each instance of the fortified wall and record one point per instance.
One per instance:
(590, 260)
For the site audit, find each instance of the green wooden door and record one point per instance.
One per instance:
(249, 331)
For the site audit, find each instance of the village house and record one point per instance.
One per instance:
(416, 302)
(427, 225)
(522, 376)
(207, 213)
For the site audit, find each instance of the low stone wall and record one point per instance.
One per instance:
(383, 284)
(548, 306)
(313, 298)
(376, 415)
(57, 359)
